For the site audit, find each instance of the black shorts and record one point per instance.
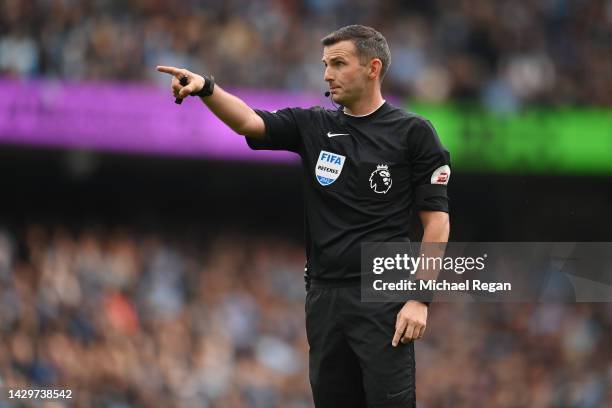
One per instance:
(352, 362)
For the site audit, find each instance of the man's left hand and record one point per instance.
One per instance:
(410, 323)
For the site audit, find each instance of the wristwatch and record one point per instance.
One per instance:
(208, 88)
(424, 296)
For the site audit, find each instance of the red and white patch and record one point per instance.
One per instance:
(441, 175)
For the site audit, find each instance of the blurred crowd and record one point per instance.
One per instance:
(502, 53)
(125, 318)
(135, 321)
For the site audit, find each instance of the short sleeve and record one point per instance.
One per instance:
(282, 130)
(430, 165)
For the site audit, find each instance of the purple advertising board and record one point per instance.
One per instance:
(131, 118)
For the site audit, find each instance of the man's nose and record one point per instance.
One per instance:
(327, 75)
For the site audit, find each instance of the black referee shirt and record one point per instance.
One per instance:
(362, 177)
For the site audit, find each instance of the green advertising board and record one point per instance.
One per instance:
(541, 141)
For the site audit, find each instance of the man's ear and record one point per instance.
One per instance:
(374, 68)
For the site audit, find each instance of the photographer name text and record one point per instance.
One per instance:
(442, 285)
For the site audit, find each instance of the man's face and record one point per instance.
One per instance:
(346, 76)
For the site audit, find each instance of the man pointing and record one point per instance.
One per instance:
(366, 167)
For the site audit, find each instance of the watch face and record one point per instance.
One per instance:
(209, 85)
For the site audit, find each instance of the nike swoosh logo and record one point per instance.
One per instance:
(330, 134)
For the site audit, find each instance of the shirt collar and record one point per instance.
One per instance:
(367, 114)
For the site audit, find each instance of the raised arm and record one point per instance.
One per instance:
(233, 111)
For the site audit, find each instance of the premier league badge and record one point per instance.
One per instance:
(380, 179)
(328, 167)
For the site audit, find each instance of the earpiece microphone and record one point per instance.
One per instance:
(327, 93)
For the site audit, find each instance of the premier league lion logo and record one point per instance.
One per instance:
(380, 179)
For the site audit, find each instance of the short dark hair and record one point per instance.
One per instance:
(368, 42)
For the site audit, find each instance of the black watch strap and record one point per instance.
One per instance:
(208, 88)
(423, 295)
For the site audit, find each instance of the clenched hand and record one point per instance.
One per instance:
(410, 323)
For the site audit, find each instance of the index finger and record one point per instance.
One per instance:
(170, 70)
(400, 327)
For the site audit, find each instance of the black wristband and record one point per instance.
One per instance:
(208, 88)
(424, 296)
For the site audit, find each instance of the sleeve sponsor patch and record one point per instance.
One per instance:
(441, 175)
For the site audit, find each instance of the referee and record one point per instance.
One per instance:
(366, 166)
